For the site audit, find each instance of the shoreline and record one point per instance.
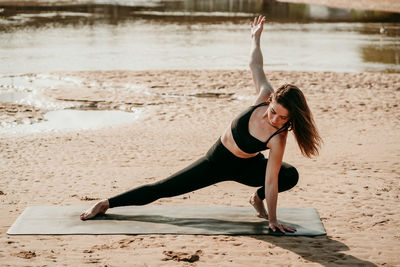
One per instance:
(133, 90)
(381, 5)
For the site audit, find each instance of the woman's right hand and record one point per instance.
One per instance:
(257, 26)
(281, 227)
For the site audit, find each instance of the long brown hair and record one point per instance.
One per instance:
(300, 118)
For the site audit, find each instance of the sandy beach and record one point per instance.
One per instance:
(354, 183)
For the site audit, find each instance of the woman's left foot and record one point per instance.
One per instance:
(99, 208)
(258, 205)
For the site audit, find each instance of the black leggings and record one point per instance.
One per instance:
(218, 165)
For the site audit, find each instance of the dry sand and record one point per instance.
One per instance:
(380, 5)
(354, 183)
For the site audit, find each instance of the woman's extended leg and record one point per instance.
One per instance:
(199, 174)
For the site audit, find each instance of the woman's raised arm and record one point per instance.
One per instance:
(263, 86)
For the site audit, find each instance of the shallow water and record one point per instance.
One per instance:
(14, 97)
(46, 36)
(74, 120)
(141, 35)
(29, 90)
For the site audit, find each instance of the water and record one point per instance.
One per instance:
(73, 120)
(142, 35)
(27, 90)
(14, 97)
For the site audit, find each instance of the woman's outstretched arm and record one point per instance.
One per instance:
(263, 86)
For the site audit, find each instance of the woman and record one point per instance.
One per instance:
(236, 155)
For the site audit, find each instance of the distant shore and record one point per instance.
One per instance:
(382, 5)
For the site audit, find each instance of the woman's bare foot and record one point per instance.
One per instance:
(258, 205)
(99, 208)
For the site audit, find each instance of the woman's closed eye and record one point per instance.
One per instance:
(282, 117)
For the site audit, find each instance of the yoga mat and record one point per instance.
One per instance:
(213, 220)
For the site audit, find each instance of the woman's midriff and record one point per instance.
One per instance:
(230, 144)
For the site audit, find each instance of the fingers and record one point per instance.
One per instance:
(258, 20)
(272, 228)
(275, 226)
(290, 229)
(282, 228)
(262, 20)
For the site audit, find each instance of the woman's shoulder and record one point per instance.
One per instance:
(256, 105)
(260, 100)
(278, 141)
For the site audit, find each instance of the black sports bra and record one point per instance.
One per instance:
(240, 132)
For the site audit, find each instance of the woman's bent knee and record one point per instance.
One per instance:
(294, 176)
(288, 178)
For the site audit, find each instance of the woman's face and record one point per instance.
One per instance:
(277, 114)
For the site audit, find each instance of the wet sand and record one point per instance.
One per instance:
(381, 5)
(353, 183)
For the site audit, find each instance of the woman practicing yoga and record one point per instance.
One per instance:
(236, 154)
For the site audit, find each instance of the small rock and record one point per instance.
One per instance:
(25, 254)
(182, 256)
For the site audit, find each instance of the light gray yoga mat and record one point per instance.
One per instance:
(64, 220)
